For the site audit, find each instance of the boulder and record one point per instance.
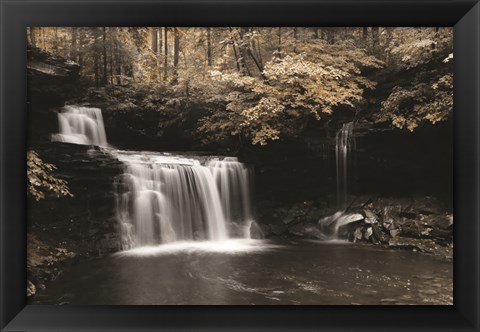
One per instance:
(309, 231)
(256, 231)
(370, 217)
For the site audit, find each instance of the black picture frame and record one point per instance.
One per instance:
(16, 15)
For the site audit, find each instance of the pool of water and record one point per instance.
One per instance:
(255, 272)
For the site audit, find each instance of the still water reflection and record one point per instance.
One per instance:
(256, 272)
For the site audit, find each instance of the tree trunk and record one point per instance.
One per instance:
(255, 55)
(73, 49)
(176, 53)
(165, 63)
(375, 36)
(95, 67)
(42, 30)
(159, 55)
(55, 41)
(243, 53)
(330, 36)
(279, 48)
(80, 48)
(111, 67)
(118, 67)
(154, 40)
(33, 39)
(209, 47)
(237, 62)
(104, 41)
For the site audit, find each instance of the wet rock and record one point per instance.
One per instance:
(409, 228)
(422, 245)
(314, 214)
(288, 219)
(357, 234)
(274, 230)
(310, 231)
(427, 205)
(370, 217)
(395, 222)
(256, 231)
(368, 233)
(394, 232)
(442, 222)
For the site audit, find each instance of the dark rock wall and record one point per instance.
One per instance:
(85, 224)
(403, 163)
(63, 230)
(51, 80)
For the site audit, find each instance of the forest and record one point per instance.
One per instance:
(146, 140)
(268, 82)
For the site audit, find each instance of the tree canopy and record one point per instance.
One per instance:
(269, 83)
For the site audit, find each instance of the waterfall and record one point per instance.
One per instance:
(344, 150)
(345, 146)
(233, 180)
(81, 125)
(165, 198)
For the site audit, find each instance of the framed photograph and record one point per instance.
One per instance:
(238, 165)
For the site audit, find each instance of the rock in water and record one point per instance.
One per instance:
(370, 217)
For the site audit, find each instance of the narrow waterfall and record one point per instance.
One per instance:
(345, 146)
(165, 198)
(344, 151)
(81, 125)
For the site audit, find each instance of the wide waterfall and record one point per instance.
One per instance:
(81, 125)
(345, 146)
(165, 198)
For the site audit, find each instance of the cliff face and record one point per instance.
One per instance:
(51, 80)
(64, 230)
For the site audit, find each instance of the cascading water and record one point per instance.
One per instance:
(344, 149)
(345, 145)
(234, 182)
(164, 198)
(81, 125)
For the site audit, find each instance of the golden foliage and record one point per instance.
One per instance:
(40, 178)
